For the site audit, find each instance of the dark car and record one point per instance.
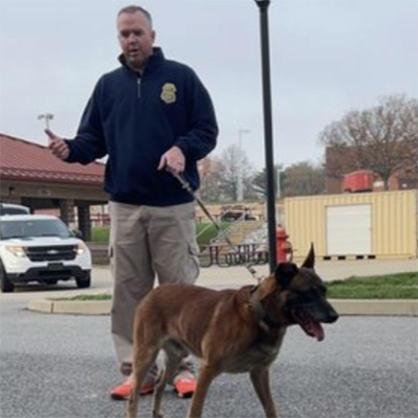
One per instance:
(12, 209)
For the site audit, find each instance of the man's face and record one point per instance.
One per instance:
(136, 38)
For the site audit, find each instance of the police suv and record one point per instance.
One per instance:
(41, 248)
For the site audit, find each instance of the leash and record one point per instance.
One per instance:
(186, 185)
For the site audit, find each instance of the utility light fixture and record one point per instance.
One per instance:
(47, 117)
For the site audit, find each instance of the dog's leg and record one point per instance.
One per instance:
(172, 363)
(142, 363)
(206, 375)
(261, 381)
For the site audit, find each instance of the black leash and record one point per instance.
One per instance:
(189, 189)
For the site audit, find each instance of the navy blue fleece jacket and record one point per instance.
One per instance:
(134, 120)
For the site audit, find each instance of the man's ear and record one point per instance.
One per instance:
(309, 262)
(284, 273)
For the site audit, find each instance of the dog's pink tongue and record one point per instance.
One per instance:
(318, 331)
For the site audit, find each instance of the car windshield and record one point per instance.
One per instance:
(12, 211)
(33, 228)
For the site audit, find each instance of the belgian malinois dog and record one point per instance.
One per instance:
(231, 331)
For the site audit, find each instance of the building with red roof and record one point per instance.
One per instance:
(32, 176)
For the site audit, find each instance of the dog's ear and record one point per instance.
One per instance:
(310, 258)
(284, 273)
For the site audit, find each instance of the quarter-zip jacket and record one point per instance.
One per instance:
(135, 119)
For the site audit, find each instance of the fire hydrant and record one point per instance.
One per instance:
(284, 249)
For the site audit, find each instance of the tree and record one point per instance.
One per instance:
(303, 179)
(219, 175)
(299, 179)
(383, 139)
(259, 181)
(210, 179)
(233, 163)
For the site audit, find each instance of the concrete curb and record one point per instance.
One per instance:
(76, 307)
(344, 307)
(389, 307)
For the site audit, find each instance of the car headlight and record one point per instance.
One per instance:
(16, 250)
(80, 248)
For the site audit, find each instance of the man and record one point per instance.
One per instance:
(149, 116)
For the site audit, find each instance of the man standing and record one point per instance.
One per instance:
(148, 116)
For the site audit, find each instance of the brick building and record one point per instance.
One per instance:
(337, 162)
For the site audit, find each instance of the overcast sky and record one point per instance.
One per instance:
(327, 57)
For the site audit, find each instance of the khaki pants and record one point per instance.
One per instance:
(146, 242)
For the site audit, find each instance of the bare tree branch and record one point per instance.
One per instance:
(383, 139)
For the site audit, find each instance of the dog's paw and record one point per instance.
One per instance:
(158, 414)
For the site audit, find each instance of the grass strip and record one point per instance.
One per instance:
(392, 286)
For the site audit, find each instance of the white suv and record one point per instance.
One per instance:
(41, 248)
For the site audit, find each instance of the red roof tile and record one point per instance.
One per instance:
(25, 160)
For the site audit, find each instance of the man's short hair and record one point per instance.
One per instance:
(135, 9)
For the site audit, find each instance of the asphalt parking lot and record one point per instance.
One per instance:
(63, 366)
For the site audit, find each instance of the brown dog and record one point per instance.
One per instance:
(232, 331)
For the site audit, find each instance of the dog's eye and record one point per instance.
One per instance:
(319, 291)
(310, 296)
(303, 297)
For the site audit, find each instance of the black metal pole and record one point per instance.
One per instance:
(268, 131)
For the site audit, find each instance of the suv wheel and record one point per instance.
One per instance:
(84, 280)
(6, 285)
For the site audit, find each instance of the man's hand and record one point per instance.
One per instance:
(173, 159)
(57, 145)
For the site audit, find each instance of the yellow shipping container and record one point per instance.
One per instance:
(354, 226)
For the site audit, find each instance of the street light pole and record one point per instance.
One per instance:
(279, 190)
(240, 173)
(268, 131)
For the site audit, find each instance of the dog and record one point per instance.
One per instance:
(230, 331)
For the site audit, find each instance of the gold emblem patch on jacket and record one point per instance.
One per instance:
(168, 93)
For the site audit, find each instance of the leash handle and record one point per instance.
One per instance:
(186, 186)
